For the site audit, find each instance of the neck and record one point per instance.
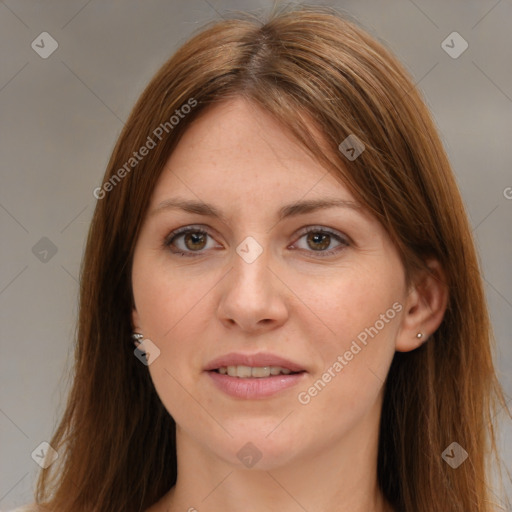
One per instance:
(341, 477)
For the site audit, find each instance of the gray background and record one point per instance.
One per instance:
(61, 116)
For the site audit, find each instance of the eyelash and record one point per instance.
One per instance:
(170, 239)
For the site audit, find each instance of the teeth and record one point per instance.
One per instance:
(253, 371)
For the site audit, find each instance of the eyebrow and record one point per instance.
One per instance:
(290, 210)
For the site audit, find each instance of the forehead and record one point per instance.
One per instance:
(236, 149)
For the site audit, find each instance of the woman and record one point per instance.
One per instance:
(281, 306)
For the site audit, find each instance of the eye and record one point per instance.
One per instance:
(193, 241)
(187, 240)
(318, 239)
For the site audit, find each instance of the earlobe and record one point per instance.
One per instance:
(137, 335)
(424, 308)
(136, 327)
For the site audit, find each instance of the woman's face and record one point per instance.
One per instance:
(255, 291)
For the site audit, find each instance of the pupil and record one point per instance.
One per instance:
(324, 243)
(196, 239)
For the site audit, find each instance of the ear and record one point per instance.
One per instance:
(424, 308)
(136, 325)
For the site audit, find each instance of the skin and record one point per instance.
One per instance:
(290, 301)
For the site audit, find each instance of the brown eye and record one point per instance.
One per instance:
(195, 241)
(318, 241)
(188, 240)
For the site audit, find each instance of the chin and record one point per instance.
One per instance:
(258, 448)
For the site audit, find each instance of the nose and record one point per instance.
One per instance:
(252, 296)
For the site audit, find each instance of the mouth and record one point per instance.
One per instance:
(257, 372)
(254, 376)
(241, 362)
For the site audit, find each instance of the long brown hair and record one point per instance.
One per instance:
(319, 75)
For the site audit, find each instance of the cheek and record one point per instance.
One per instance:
(175, 323)
(171, 306)
(354, 300)
(167, 298)
(362, 309)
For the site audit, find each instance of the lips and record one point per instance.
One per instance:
(253, 360)
(230, 374)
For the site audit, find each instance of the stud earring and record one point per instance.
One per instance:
(419, 335)
(137, 338)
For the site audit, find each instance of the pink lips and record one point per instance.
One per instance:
(254, 387)
(262, 359)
